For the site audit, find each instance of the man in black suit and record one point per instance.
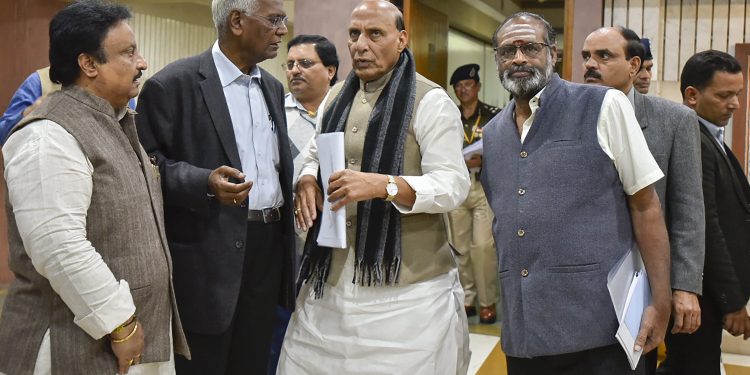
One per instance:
(710, 84)
(215, 126)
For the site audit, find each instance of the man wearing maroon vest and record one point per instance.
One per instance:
(93, 292)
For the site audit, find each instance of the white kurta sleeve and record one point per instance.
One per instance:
(49, 183)
(621, 137)
(444, 183)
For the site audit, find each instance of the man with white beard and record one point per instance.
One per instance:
(569, 177)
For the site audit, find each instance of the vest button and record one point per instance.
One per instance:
(239, 244)
(521, 191)
(354, 129)
(524, 154)
(521, 233)
(349, 223)
(353, 161)
(524, 272)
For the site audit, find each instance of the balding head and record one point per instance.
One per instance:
(376, 38)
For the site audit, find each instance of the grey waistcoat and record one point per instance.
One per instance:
(124, 223)
(562, 223)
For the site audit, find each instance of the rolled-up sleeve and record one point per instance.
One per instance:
(444, 183)
(50, 184)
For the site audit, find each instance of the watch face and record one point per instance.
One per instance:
(391, 189)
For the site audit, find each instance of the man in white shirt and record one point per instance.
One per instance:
(390, 302)
(215, 125)
(93, 291)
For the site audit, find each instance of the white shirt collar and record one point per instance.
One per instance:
(228, 72)
(291, 102)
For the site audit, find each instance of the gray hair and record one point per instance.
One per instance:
(220, 10)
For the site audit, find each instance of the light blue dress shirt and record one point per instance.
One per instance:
(716, 131)
(254, 131)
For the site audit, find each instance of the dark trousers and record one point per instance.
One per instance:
(605, 360)
(245, 347)
(698, 353)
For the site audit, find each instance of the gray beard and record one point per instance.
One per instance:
(526, 87)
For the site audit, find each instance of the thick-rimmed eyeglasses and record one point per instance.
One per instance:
(508, 52)
(304, 64)
(275, 21)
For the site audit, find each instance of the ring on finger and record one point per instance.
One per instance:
(296, 211)
(234, 200)
(131, 361)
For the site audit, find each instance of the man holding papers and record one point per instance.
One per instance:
(471, 222)
(570, 179)
(390, 301)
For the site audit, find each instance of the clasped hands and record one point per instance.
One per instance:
(344, 187)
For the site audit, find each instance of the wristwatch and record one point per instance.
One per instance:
(391, 189)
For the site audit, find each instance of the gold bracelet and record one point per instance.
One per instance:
(126, 338)
(123, 325)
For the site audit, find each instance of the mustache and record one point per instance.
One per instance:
(521, 69)
(590, 73)
(140, 73)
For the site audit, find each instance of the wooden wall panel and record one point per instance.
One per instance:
(720, 26)
(736, 24)
(620, 12)
(651, 27)
(687, 32)
(428, 40)
(607, 19)
(635, 16)
(704, 24)
(670, 63)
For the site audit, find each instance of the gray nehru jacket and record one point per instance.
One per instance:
(562, 223)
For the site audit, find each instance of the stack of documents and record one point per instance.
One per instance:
(631, 294)
(333, 223)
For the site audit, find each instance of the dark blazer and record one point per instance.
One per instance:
(183, 121)
(726, 280)
(672, 135)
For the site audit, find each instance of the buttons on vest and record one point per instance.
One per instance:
(355, 129)
(239, 244)
(524, 154)
(524, 272)
(521, 233)
(521, 191)
(353, 161)
(348, 223)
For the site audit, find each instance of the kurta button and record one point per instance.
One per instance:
(521, 191)
(239, 244)
(524, 272)
(354, 129)
(524, 154)
(348, 223)
(364, 100)
(352, 161)
(521, 233)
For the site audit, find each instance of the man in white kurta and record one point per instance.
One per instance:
(417, 324)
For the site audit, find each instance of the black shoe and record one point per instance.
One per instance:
(470, 311)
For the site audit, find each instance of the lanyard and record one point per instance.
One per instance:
(474, 130)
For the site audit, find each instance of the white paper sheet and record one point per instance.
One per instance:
(332, 223)
(631, 294)
(474, 148)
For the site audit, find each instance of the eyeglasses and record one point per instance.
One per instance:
(303, 64)
(508, 52)
(275, 21)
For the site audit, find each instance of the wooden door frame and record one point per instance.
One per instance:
(740, 119)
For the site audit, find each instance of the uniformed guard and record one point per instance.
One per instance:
(471, 223)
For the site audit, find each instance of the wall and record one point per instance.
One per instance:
(680, 28)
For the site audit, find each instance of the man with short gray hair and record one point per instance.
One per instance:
(214, 124)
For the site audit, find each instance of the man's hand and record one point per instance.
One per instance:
(738, 323)
(308, 201)
(228, 193)
(129, 351)
(686, 312)
(348, 186)
(474, 162)
(653, 328)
